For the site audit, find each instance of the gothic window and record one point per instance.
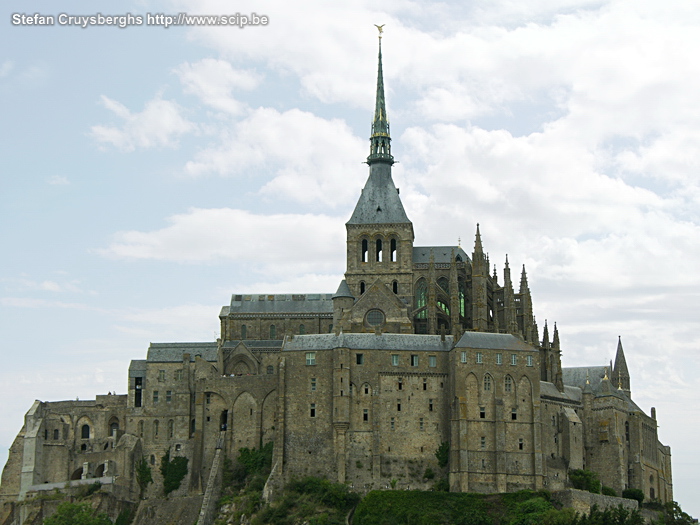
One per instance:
(509, 384)
(487, 383)
(273, 331)
(443, 305)
(444, 284)
(379, 250)
(421, 298)
(85, 432)
(244, 331)
(393, 250)
(362, 287)
(395, 287)
(365, 250)
(462, 299)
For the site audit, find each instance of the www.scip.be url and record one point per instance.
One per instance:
(128, 19)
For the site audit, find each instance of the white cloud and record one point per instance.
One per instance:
(57, 180)
(6, 68)
(160, 124)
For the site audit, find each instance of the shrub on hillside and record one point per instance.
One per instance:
(585, 480)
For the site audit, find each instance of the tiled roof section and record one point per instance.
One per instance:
(265, 345)
(491, 341)
(571, 394)
(394, 342)
(442, 254)
(172, 352)
(379, 202)
(343, 290)
(577, 376)
(310, 303)
(137, 368)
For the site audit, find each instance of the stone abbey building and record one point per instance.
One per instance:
(419, 346)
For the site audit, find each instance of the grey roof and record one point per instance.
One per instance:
(442, 254)
(379, 202)
(172, 352)
(394, 342)
(492, 341)
(310, 303)
(137, 368)
(571, 394)
(254, 345)
(576, 376)
(343, 290)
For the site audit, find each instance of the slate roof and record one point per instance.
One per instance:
(571, 394)
(261, 304)
(394, 342)
(491, 341)
(442, 254)
(343, 290)
(576, 376)
(379, 202)
(172, 352)
(254, 345)
(137, 368)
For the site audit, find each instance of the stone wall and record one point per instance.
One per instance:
(582, 501)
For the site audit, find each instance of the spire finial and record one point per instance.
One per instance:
(380, 141)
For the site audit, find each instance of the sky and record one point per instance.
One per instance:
(148, 173)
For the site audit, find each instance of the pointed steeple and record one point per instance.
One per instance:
(478, 248)
(620, 372)
(545, 336)
(555, 340)
(380, 141)
(523, 281)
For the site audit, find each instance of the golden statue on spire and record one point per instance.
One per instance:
(381, 29)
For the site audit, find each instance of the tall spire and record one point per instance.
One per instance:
(620, 373)
(380, 141)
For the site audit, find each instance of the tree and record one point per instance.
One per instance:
(174, 471)
(585, 480)
(143, 475)
(76, 514)
(673, 515)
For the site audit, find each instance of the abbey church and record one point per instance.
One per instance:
(419, 346)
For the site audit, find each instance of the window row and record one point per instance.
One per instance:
(379, 249)
(168, 396)
(479, 358)
(483, 443)
(513, 413)
(155, 429)
(507, 383)
(177, 375)
(273, 332)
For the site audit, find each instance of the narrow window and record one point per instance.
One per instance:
(171, 428)
(487, 383)
(499, 359)
(514, 414)
(627, 431)
(463, 356)
(425, 383)
(138, 391)
(85, 432)
(400, 385)
(312, 410)
(365, 415)
(529, 360)
(509, 384)
(395, 287)
(155, 429)
(398, 405)
(393, 251)
(302, 329)
(365, 249)
(270, 369)
(432, 361)
(479, 357)
(366, 388)
(430, 405)
(414, 360)
(421, 426)
(155, 396)
(161, 376)
(482, 412)
(392, 424)
(141, 428)
(513, 359)
(244, 331)
(379, 250)
(483, 442)
(362, 287)
(521, 444)
(483, 463)
(207, 397)
(178, 374)
(395, 360)
(168, 396)
(310, 358)
(359, 359)
(55, 433)
(273, 331)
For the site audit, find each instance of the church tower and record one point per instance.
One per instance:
(379, 234)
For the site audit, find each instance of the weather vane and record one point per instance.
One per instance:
(381, 29)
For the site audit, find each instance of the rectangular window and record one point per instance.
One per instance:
(430, 405)
(425, 383)
(499, 359)
(514, 414)
(178, 375)
(365, 415)
(463, 356)
(393, 424)
(394, 359)
(432, 361)
(414, 360)
(513, 359)
(138, 390)
(483, 443)
(310, 358)
(168, 396)
(479, 357)
(312, 410)
(155, 396)
(313, 384)
(398, 405)
(529, 360)
(421, 425)
(482, 412)
(400, 385)
(360, 358)
(521, 444)
(208, 398)
(161, 376)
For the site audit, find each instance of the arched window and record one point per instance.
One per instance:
(302, 329)
(444, 284)
(85, 432)
(509, 384)
(395, 287)
(273, 331)
(365, 250)
(379, 250)
(155, 429)
(141, 428)
(421, 298)
(362, 287)
(392, 257)
(244, 331)
(171, 428)
(113, 428)
(487, 383)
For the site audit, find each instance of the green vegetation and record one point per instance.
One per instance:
(173, 471)
(85, 491)
(585, 480)
(76, 514)
(634, 494)
(607, 491)
(143, 475)
(673, 515)
(443, 454)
